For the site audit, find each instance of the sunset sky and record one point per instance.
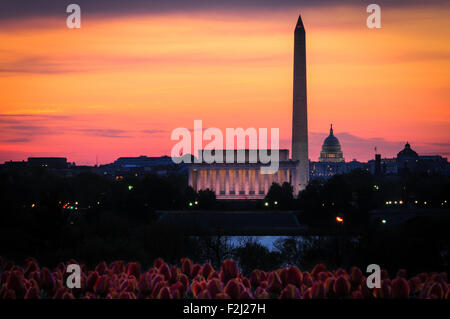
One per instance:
(137, 70)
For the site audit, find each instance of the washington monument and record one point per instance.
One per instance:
(299, 114)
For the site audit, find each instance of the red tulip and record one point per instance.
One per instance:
(197, 287)
(366, 291)
(101, 268)
(8, 265)
(341, 287)
(184, 280)
(356, 276)
(246, 295)
(126, 295)
(228, 271)
(423, 277)
(204, 294)
(322, 276)
(255, 278)
(178, 289)
(165, 271)
(215, 286)
(59, 294)
(35, 275)
(33, 292)
(438, 278)
(435, 291)
(400, 288)
(16, 282)
(402, 273)
(174, 272)
(113, 294)
(264, 284)
(294, 276)
(385, 292)
(290, 292)
(4, 277)
(262, 294)
(307, 279)
(341, 273)
(233, 288)
(283, 276)
(134, 269)
(101, 287)
(207, 270)
(164, 293)
(306, 293)
(318, 269)
(31, 266)
(196, 270)
(444, 276)
(68, 295)
(186, 266)
(91, 280)
(213, 274)
(274, 282)
(158, 262)
(357, 295)
(157, 288)
(329, 287)
(222, 296)
(9, 294)
(317, 291)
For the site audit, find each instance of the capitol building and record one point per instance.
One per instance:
(331, 160)
(331, 149)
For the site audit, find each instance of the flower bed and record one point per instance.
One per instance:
(120, 280)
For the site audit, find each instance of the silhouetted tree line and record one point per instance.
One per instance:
(117, 220)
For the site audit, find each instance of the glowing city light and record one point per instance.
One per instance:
(339, 219)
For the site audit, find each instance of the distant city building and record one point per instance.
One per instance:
(48, 162)
(408, 161)
(325, 170)
(143, 161)
(240, 180)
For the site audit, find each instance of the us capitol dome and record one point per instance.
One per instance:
(331, 149)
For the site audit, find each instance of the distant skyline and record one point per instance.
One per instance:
(119, 85)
